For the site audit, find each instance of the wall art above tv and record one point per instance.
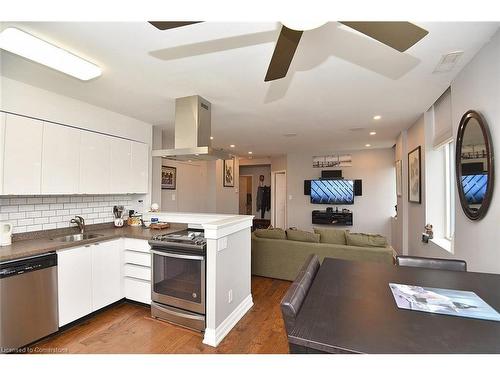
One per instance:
(327, 161)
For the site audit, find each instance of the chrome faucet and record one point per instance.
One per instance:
(80, 221)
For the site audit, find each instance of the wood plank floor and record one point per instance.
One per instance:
(129, 328)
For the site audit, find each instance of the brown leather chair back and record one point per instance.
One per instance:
(435, 263)
(295, 295)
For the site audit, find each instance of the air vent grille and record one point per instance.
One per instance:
(448, 62)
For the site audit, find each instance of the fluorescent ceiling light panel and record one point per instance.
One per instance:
(42, 52)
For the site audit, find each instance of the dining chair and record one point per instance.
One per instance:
(434, 263)
(295, 295)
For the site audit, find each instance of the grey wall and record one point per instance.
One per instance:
(476, 87)
(372, 212)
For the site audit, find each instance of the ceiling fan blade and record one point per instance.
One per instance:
(398, 35)
(286, 45)
(165, 25)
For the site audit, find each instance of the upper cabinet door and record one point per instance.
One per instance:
(121, 181)
(95, 160)
(22, 155)
(60, 159)
(2, 145)
(140, 167)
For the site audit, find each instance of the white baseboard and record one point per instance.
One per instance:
(213, 337)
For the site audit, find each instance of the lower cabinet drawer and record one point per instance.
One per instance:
(138, 272)
(138, 290)
(139, 258)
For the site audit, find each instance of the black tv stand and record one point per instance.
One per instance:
(332, 218)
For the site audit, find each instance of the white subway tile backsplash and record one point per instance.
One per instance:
(41, 220)
(34, 200)
(26, 207)
(17, 215)
(9, 209)
(32, 228)
(14, 201)
(23, 222)
(31, 213)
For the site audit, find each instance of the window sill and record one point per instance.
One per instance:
(443, 243)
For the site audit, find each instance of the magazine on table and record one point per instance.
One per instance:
(442, 301)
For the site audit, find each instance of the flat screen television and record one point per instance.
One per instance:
(475, 187)
(332, 191)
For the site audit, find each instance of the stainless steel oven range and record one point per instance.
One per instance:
(178, 278)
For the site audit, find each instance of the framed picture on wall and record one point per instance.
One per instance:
(399, 178)
(168, 177)
(228, 173)
(414, 176)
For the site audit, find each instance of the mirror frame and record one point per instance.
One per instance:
(479, 214)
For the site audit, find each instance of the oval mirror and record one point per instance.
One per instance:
(474, 165)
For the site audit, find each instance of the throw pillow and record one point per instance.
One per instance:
(275, 233)
(331, 236)
(366, 240)
(302, 236)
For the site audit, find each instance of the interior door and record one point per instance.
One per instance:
(279, 211)
(243, 195)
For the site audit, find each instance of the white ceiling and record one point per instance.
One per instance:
(338, 80)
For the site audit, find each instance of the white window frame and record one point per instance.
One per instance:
(449, 190)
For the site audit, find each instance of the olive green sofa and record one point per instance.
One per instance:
(282, 258)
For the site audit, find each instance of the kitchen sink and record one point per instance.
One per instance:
(77, 237)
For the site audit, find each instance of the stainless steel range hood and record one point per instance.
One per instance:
(192, 132)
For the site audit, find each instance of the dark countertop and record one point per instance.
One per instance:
(43, 243)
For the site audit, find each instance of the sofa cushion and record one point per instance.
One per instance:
(331, 236)
(302, 236)
(365, 240)
(274, 233)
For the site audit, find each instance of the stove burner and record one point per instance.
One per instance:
(185, 237)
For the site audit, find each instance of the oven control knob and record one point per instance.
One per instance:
(194, 295)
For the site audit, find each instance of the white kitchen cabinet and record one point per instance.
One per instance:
(22, 155)
(139, 170)
(2, 145)
(60, 159)
(74, 280)
(106, 273)
(121, 166)
(137, 270)
(95, 163)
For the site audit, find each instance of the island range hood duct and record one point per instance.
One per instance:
(192, 132)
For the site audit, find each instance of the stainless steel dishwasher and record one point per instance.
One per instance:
(28, 300)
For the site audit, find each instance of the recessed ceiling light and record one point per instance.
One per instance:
(232, 146)
(377, 117)
(250, 152)
(42, 52)
(290, 135)
(373, 133)
(212, 138)
(303, 24)
(368, 145)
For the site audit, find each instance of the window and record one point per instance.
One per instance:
(449, 208)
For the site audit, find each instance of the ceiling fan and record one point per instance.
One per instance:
(397, 35)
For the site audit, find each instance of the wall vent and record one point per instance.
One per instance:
(448, 62)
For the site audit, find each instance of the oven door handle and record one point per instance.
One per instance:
(180, 256)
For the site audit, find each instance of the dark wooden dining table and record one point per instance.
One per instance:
(350, 309)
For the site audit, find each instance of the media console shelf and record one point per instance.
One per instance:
(332, 218)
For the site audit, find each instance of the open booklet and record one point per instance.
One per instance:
(442, 301)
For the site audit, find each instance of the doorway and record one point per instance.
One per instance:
(278, 199)
(245, 195)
